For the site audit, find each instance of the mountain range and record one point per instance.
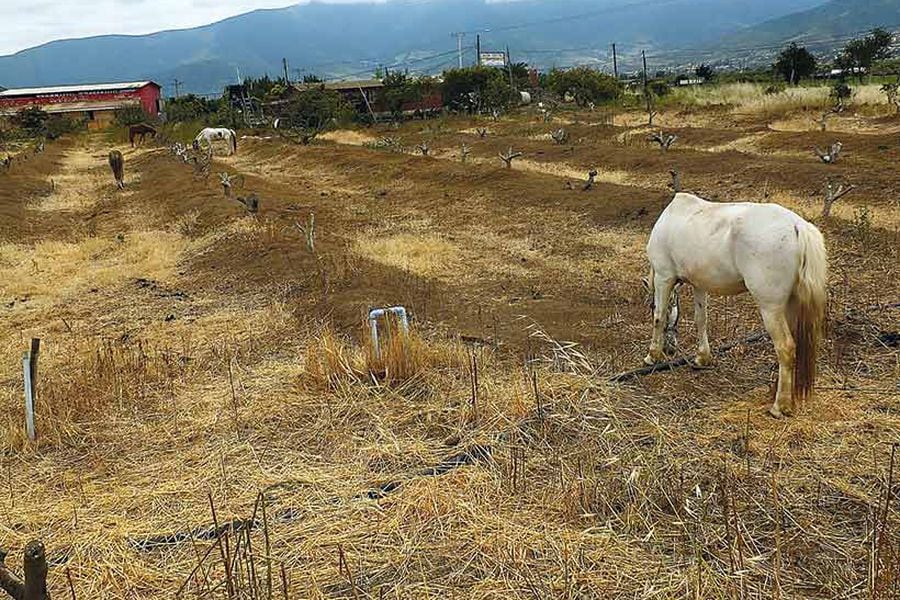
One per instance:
(352, 40)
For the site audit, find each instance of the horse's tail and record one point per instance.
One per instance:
(810, 295)
(117, 164)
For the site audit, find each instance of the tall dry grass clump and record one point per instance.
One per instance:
(104, 381)
(753, 98)
(401, 356)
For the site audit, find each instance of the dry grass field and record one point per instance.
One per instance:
(213, 421)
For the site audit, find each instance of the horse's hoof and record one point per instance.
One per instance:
(649, 360)
(702, 362)
(775, 412)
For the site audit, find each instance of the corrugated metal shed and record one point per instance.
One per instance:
(75, 89)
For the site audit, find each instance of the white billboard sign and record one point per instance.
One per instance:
(493, 59)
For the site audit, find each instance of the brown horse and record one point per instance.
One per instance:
(117, 164)
(141, 130)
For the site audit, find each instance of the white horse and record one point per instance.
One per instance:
(729, 249)
(213, 133)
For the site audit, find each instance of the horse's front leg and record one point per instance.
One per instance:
(662, 293)
(776, 323)
(704, 355)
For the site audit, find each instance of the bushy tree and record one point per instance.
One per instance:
(659, 88)
(795, 63)
(58, 125)
(477, 89)
(840, 93)
(521, 75)
(129, 115)
(705, 72)
(31, 120)
(190, 108)
(584, 84)
(861, 54)
(892, 91)
(399, 89)
(316, 108)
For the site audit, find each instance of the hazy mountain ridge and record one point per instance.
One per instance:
(830, 21)
(333, 39)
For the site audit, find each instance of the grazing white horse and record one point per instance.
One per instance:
(213, 133)
(729, 249)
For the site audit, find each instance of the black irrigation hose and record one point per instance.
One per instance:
(474, 455)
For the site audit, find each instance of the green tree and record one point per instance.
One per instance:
(861, 54)
(584, 84)
(130, 115)
(190, 108)
(399, 89)
(317, 109)
(32, 120)
(477, 89)
(705, 72)
(795, 63)
(521, 75)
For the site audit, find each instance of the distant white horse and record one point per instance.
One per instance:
(212, 133)
(729, 249)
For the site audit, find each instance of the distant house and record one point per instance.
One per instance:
(94, 103)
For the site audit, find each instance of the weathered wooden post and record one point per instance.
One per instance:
(29, 375)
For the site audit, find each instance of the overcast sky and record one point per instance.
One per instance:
(28, 23)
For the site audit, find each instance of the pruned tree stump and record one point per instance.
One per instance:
(34, 585)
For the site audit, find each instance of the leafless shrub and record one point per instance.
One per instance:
(833, 194)
(592, 175)
(509, 156)
(464, 152)
(665, 141)
(309, 232)
(560, 136)
(831, 156)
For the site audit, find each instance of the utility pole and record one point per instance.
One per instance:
(284, 65)
(459, 36)
(478, 50)
(646, 88)
(615, 62)
(512, 84)
(176, 83)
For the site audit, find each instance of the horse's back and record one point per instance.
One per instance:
(725, 248)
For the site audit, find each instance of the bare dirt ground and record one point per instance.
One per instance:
(194, 352)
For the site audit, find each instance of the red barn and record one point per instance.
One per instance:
(94, 103)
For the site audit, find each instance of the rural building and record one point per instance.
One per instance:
(367, 97)
(94, 103)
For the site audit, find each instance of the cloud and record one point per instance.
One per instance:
(28, 23)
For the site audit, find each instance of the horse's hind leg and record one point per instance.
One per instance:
(662, 293)
(704, 355)
(775, 319)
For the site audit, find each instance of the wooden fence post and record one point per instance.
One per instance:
(29, 374)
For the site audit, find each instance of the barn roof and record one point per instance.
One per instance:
(70, 107)
(74, 89)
